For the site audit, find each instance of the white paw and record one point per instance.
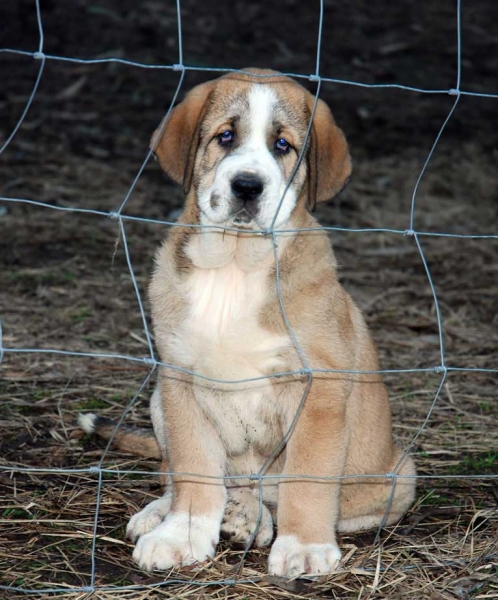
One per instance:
(149, 517)
(290, 558)
(241, 519)
(181, 539)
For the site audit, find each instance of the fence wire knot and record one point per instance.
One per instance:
(454, 92)
(440, 369)
(409, 232)
(94, 470)
(38, 55)
(148, 360)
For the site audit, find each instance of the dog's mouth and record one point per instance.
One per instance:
(243, 219)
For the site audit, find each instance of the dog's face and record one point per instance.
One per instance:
(249, 145)
(236, 143)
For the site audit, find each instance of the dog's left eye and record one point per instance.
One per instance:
(226, 137)
(282, 145)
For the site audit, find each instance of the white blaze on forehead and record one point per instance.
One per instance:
(262, 100)
(255, 156)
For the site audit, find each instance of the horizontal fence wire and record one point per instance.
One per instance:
(307, 373)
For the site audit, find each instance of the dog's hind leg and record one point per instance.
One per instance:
(365, 502)
(241, 519)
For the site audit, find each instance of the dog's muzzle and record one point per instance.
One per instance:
(246, 190)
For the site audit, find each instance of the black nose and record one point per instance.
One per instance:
(247, 188)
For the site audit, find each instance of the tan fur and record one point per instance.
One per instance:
(216, 312)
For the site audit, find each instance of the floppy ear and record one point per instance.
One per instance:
(329, 163)
(175, 141)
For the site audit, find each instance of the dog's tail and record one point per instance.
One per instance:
(129, 439)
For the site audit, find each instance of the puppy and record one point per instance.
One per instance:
(240, 300)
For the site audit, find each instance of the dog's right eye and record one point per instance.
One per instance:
(225, 138)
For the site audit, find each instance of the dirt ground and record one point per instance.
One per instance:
(65, 282)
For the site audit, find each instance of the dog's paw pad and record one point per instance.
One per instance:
(241, 519)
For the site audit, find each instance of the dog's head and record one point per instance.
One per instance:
(235, 143)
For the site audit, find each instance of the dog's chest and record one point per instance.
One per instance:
(225, 299)
(222, 340)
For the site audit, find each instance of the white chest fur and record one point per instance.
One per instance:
(222, 339)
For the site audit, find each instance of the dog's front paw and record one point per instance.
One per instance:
(241, 519)
(290, 558)
(149, 517)
(181, 539)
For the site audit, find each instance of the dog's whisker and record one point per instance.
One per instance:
(225, 229)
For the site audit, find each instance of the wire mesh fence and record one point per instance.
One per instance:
(442, 369)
